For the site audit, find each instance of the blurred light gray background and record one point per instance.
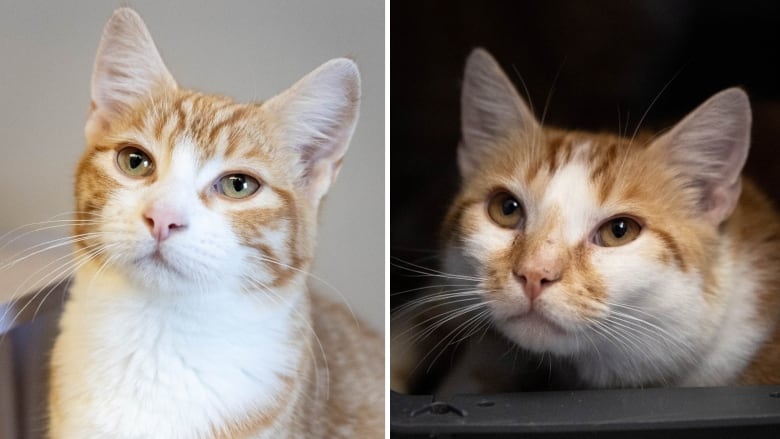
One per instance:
(244, 49)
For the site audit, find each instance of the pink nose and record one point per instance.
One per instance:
(535, 280)
(163, 220)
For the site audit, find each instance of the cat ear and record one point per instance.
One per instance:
(709, 148)
(127, 68)
(491, 108)
(316, 118)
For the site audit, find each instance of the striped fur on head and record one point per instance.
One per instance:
(647, 311)
(292, 145)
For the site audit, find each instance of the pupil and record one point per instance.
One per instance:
(509, 206)
(239, 184)
(619, 228)
(135, 161)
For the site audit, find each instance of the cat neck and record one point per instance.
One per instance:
(187, 350)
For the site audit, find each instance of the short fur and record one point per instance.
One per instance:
(209, 332)
(694, 300)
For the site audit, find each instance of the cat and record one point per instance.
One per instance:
(625, 261)
(189, 315)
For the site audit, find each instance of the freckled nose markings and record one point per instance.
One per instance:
(540, 270)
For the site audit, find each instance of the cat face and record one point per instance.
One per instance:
(594, 244)
(182, 190)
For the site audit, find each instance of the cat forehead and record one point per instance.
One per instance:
(216, 125)
(611, 163)
(565, 201)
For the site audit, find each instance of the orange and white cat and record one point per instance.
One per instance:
(641, 261)
(189, 315)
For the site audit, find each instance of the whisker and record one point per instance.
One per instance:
(454, 333)
(47, 246)
(652, 103)
(70, 266)
(430, 287)
(425, 271)
(315, 277)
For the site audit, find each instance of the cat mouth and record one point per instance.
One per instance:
(158, 261)
(538, 320)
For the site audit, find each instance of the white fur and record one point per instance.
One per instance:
(151, 351)
(207, 250)
(571, 194)
(736, 332)
(140, 363)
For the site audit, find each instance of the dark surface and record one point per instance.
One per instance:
(601, 63)
(688, 412)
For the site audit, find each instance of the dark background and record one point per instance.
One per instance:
(610, 58)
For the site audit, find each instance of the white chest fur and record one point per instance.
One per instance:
(141, 364)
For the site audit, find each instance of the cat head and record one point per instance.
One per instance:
(179, 189)
(581, 237)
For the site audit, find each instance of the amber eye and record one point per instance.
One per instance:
(505, 210)
(617, 231)
(134, 162)
(237, 186)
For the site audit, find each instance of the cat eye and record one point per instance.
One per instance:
(505, 210)
(617, 231)
(237, 186)
(134, 162)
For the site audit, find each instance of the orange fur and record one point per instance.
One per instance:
(335, 353)
(681, 188)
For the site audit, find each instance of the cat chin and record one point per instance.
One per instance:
(160, 276)
(168, 274)
(539, 334)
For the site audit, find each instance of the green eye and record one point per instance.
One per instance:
(134, 162)
(237, 186)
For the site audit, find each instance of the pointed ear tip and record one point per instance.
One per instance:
(343, 69)
(479, 57)
(734, 96)
(346, 72)
(479, 53)
(125, 14)
(734, 91)
(343, 65)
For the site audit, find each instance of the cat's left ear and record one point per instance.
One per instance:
(316, 118)
(708, 148)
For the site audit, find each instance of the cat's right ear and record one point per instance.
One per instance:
(128, 68)
(491, 109)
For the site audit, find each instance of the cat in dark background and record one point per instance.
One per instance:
(586, 68)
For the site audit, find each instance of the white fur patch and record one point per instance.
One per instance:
(571, 194)
(171, 350)
(148, 364)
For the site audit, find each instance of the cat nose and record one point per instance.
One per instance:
(163, 220)
(535, 279)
